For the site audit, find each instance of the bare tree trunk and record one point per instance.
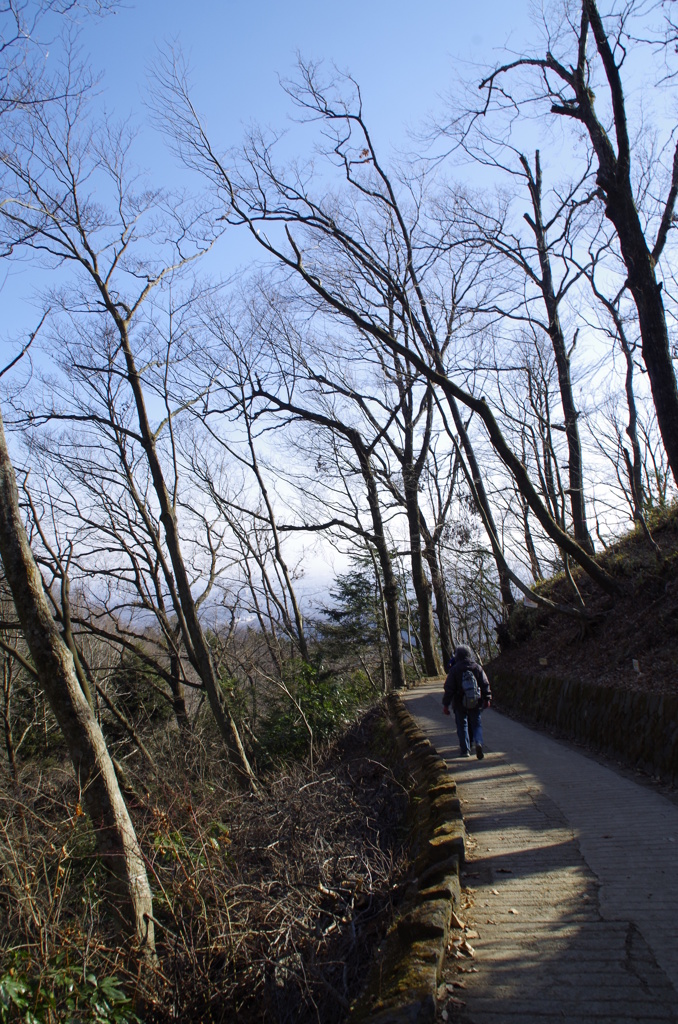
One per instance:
(178, 700)
(390, 583)
(196, 637)
(479, 493)
(420, 582)
(116, 839)
(442, 607)
(529, 541)
(634, 466)
(614, 179)
(656, 350)
(555, 330)
(6, 714)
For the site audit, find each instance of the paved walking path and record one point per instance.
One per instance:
(572, 876)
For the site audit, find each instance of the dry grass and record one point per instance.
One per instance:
(267, 908)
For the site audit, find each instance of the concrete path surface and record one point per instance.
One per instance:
(571, 882)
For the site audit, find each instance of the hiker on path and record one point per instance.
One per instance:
(467, 689)
(446, 710)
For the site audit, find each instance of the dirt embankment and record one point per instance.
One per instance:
(630, 643)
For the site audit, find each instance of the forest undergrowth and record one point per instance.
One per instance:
(266, 907)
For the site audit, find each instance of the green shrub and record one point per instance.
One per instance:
(520, 625)
(59, 992)
(319, 704)
(135, 685)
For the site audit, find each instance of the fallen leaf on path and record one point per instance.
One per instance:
(513, 910)
(466, 948)
(466, 970)
(495, 892)
(455, 1002)
(455, 984)
(444, 1015)
(456, 922)
(471, 934)
(490, 921)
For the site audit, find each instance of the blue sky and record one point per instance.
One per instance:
(404, 61)
(402, 55)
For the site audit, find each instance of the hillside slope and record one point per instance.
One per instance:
(632, 644)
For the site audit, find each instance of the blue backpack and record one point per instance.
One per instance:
(471, 695)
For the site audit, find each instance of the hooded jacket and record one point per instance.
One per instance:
(453, 693)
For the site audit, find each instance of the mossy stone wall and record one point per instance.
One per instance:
(403, 982)
(639, 729)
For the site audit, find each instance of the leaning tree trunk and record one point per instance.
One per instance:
(116, 840)
(656, 347)
(195, 636)
(480, 496)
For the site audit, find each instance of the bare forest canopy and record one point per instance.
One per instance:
(450, 373)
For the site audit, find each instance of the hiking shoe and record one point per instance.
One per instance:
(479, 752)
(464, 753)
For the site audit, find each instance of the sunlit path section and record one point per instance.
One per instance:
(572, 880)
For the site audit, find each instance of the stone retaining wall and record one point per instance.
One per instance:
(403, 981)
(640, 729)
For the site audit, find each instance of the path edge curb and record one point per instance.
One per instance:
(403, 981)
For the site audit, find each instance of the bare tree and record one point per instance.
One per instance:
(24, 86)
(569, 78)
(550, 275)
(347, 274)
(55, 668)
(52, 213)
(377, 537)
(224, 361)
(352, 385)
